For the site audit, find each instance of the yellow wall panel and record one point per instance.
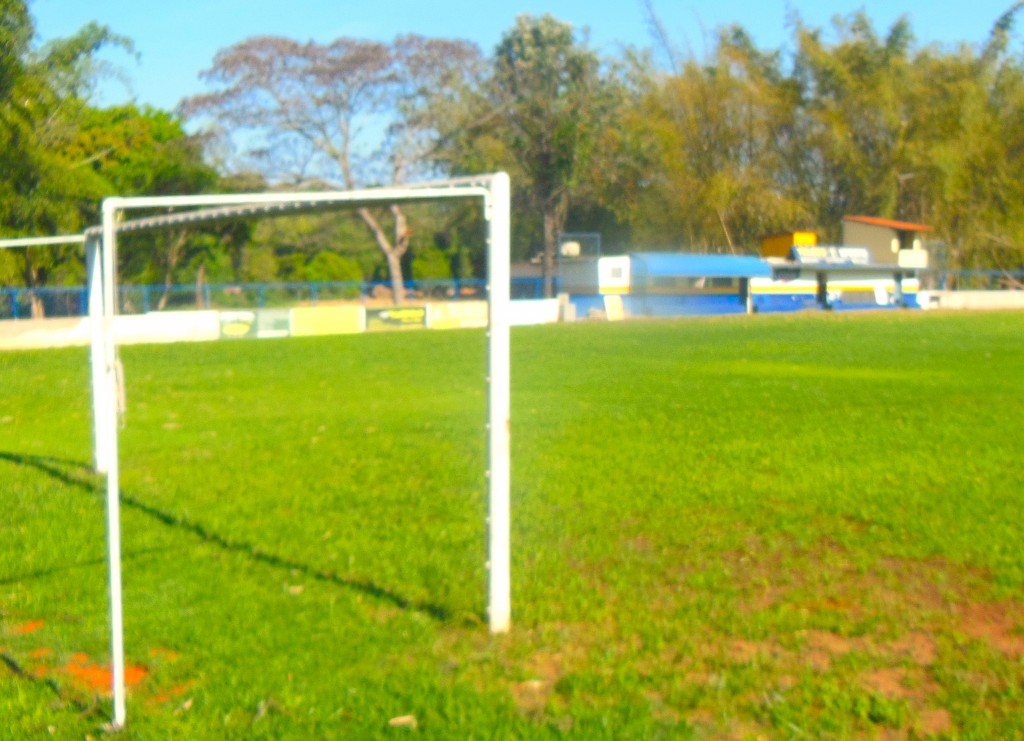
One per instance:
(457, 315)
(317, 320)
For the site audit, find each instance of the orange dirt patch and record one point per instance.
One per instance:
(823, 647)
(164, 653)
(934, 721)
(747, 651)
(918, 647)
(831, 643)
(98, 677)
(30, 627)
(996, 625)
(531, 695)
(169, 695)
(887, 682)
(818, 659)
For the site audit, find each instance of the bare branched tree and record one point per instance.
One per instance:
(353, 112)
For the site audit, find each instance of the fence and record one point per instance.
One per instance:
(71, 301)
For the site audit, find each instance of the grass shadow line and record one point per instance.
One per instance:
(43, 573)
(19, 671)
(78, 475)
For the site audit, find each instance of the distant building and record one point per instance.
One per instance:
(889, 242)
(780, 245)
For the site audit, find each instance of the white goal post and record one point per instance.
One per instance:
(101, 257)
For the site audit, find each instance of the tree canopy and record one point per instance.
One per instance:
(351, 112)
(711, 154)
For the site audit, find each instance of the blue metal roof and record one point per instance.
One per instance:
(665, 264)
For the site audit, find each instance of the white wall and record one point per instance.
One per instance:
(971, 299)
(28, 334)
(203, 326)
(167, 326)
(539, 311)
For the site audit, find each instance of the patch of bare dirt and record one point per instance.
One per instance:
(747, 651)
(544, 669)
(888, 682)
(918, 647)
(532, 695)
(822, 647)
(660, 710)
(933, 722)
(831, 643)
(995, 623)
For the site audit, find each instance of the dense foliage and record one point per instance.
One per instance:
(710, 153)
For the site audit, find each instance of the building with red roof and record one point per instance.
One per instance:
(889, 242)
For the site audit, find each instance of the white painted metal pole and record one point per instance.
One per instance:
(499, 403)
(94, 268)
(41, 241)
(109, 253)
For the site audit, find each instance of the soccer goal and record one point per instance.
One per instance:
(492, 190)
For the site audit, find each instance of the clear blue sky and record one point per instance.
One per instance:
(176, 39)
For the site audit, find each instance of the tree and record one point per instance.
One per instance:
(969, 178)
(148, 152)
(45, 188)
(717, 137)
(351, 112)
(930, 135)
(856, 94)
(540, 115)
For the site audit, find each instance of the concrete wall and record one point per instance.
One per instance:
(878, 240)
(457, 315)
(320, 320)
(202, 326)
(166, 326)
(28, 334)
(170, 326)
(971, 299)
(540, 311)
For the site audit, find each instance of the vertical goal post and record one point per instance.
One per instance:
(101, 257)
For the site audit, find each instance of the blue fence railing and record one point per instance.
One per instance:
(70, 301)
(18, 302)
(23, 303)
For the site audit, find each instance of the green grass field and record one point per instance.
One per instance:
(775, 526)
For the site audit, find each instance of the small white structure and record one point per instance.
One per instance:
(595, 275)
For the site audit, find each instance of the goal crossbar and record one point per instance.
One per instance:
(248, 205)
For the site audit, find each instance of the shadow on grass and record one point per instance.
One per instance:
(77, 475)
(43, 573)
(19, 671)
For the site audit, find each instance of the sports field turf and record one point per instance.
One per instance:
(770, 526)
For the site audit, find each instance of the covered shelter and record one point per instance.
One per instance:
(662, 283)
(837, 271)
(667, 283)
